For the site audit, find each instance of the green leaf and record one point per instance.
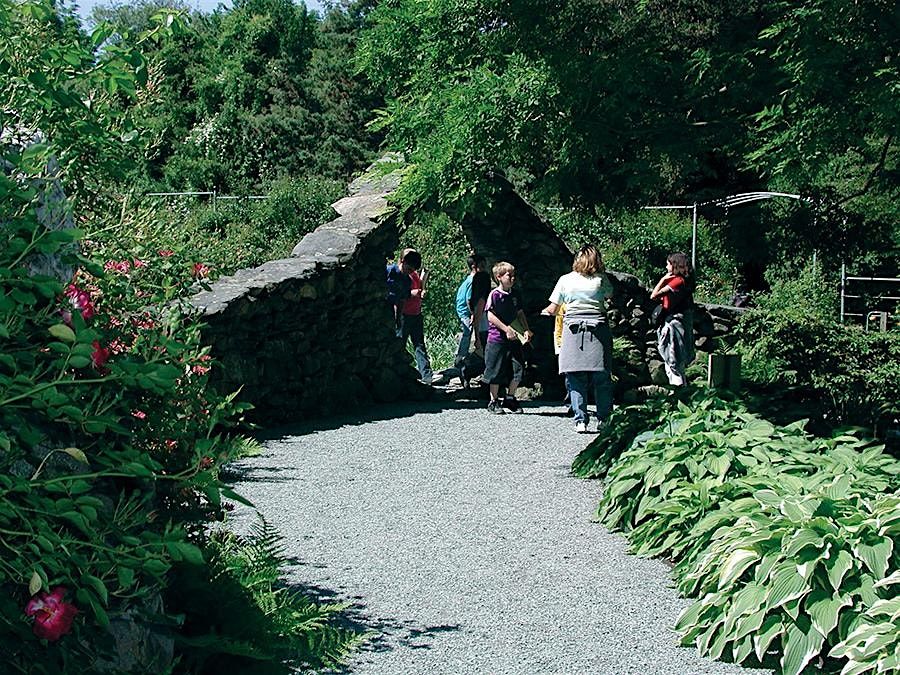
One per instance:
(34, 584)
(876, 556)
(79, 361)
(770, 629)
(126, 577)
(98, 586)
(800, 646)
(77, 454)
(823, 610)
(837, 567)
(786, 585)
(802, 538)
(739, 560)
(188, 551)
(62, 332)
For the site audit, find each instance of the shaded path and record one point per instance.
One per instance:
(461, 537)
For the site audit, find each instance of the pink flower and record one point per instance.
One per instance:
(139, 414)
(100, 355)
(52, 616)
(200, 370)
(117, 346)
(138, 263)
(122, 266)
(199, 271)
(144, 322)
(171, 444)
(166, 252)
(80, 300)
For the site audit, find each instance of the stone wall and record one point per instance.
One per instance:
(629, 316)
(312, 334)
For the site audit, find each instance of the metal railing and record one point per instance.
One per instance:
(214, 196)
(880, 300)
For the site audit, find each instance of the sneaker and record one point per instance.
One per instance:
(496, 408)
(512, 404)
(580, 428)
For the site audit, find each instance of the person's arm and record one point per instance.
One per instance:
(506, 330)
(521, 317)
(477, 312)
(662, 286)
(550, 309)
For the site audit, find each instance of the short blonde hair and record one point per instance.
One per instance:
(588, 261)
(502, 268)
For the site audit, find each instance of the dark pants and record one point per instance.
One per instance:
(412, 327)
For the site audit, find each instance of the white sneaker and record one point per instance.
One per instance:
(580, 428)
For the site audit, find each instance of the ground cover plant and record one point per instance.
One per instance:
(788, 541)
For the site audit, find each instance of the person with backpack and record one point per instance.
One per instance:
(674, 317)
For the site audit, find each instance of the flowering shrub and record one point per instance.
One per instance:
(109, 436)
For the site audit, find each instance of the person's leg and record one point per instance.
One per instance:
(665, 344)
(417, 335)
(517, 365)
(603, 394)
(578, 390)
(493, 366)
(465, 339)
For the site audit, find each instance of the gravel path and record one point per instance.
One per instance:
(460, 537)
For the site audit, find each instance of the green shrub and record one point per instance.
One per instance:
(848, 376)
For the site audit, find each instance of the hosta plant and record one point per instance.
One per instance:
(794, 578)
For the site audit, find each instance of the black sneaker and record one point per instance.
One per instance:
(512, 404)
(496, 408)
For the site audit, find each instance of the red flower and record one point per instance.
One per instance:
(118, 266)
(100, 355)
(166, 252)
(200, 370)
(52, 616)
(81, 301)
(199, 271)
(138, 263)
(205, 462)
(171, 444)
(139, 414)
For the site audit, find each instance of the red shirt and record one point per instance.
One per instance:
(677, 286)
(413, 304)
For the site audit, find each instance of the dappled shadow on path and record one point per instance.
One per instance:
(384, 634)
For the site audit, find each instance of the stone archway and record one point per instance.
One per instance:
(311, 334)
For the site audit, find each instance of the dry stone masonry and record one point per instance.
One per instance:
(312, 333)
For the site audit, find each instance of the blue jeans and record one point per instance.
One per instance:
(578, 384)
(412, 327)
(465, 340)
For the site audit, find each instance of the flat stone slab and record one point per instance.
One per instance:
(461, 538)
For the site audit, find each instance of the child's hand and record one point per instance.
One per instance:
(528, 335)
